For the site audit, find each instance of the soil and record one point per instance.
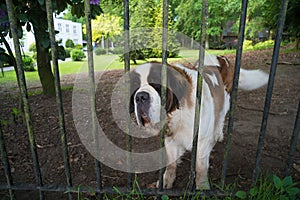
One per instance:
(247, 124)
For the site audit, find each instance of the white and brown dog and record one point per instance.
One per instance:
(217, 83)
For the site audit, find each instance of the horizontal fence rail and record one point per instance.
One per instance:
(11, 186)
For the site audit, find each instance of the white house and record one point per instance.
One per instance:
(67, 30)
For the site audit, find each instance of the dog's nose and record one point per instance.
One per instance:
(142, 97)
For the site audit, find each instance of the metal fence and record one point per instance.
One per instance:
(39, 186)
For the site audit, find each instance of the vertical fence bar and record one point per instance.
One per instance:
(127, 80)
(293, 145)
(201, 56)
(23, 89)
(163, 90)
(234, 89)
(92, 92)
(6, 164)
(62, 126)
(270, 88)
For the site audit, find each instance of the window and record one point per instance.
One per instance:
(67, 28)
(75, 41)
(59, 27)
(74, 29)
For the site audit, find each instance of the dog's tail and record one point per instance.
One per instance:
(252, 79)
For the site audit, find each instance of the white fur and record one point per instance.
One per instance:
(252, 79)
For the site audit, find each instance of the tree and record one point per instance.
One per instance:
(32, 14)
(106, 27)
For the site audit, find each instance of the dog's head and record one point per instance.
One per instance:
(145, 99)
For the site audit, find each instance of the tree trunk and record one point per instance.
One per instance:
(43, 61)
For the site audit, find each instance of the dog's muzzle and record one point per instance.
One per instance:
(143, 101)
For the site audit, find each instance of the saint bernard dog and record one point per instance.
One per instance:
(217, 76)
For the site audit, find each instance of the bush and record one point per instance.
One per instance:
(68, 52)
(99, 51)
(32, 47)
(78, 46)
(69, 43)
(28, 63)
(117, 50)
(248, 45)
(77, 55)
(264, 45)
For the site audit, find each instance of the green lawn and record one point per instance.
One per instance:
(102, 62)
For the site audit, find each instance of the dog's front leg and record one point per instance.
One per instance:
(172, 151)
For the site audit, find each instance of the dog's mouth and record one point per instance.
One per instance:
(145, 119)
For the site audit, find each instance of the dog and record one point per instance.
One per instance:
(217, 82)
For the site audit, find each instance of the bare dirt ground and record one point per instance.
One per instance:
(247, 123)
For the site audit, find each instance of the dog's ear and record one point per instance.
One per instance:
(131, 104)
(134, 85)
(179, 86)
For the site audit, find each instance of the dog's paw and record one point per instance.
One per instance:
(203, 186)
(167, 184)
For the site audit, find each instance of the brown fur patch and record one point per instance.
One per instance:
(217, 91)
(227, 72)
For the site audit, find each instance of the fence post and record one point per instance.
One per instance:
(23, 89)
(61, 116)
(163, 91)
(234, 89)
(6, 164)
(92, 92)
(201, 56)
(293, 145)
(127, 83)
(270, 88)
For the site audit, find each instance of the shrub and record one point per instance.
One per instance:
(264, 45)
(117, 50)
(68, 52)
(78, 46)
(77, 55)
(32, 47)
(247, 45)
(28, 63)
(69, 43)
(99, 51)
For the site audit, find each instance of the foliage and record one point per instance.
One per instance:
(32, 47)
(78, 46)
(248, 45)
(99, 51)
(264, 45)
(117, 50)
(272, 188)
(107, 26)
(28, 63)
(68, 51)
(69, 43)
(5, 59)
(77, 55)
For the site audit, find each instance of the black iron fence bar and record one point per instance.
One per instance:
(23, 89)
(9, 179)
(62, 126)
(235, 88)
(293, 145)
(198, 96)
(92, 92)
(127, 80)
(163, 90)
(113, 191)
(270, 88)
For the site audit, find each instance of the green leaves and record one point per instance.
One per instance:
(41, 2)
